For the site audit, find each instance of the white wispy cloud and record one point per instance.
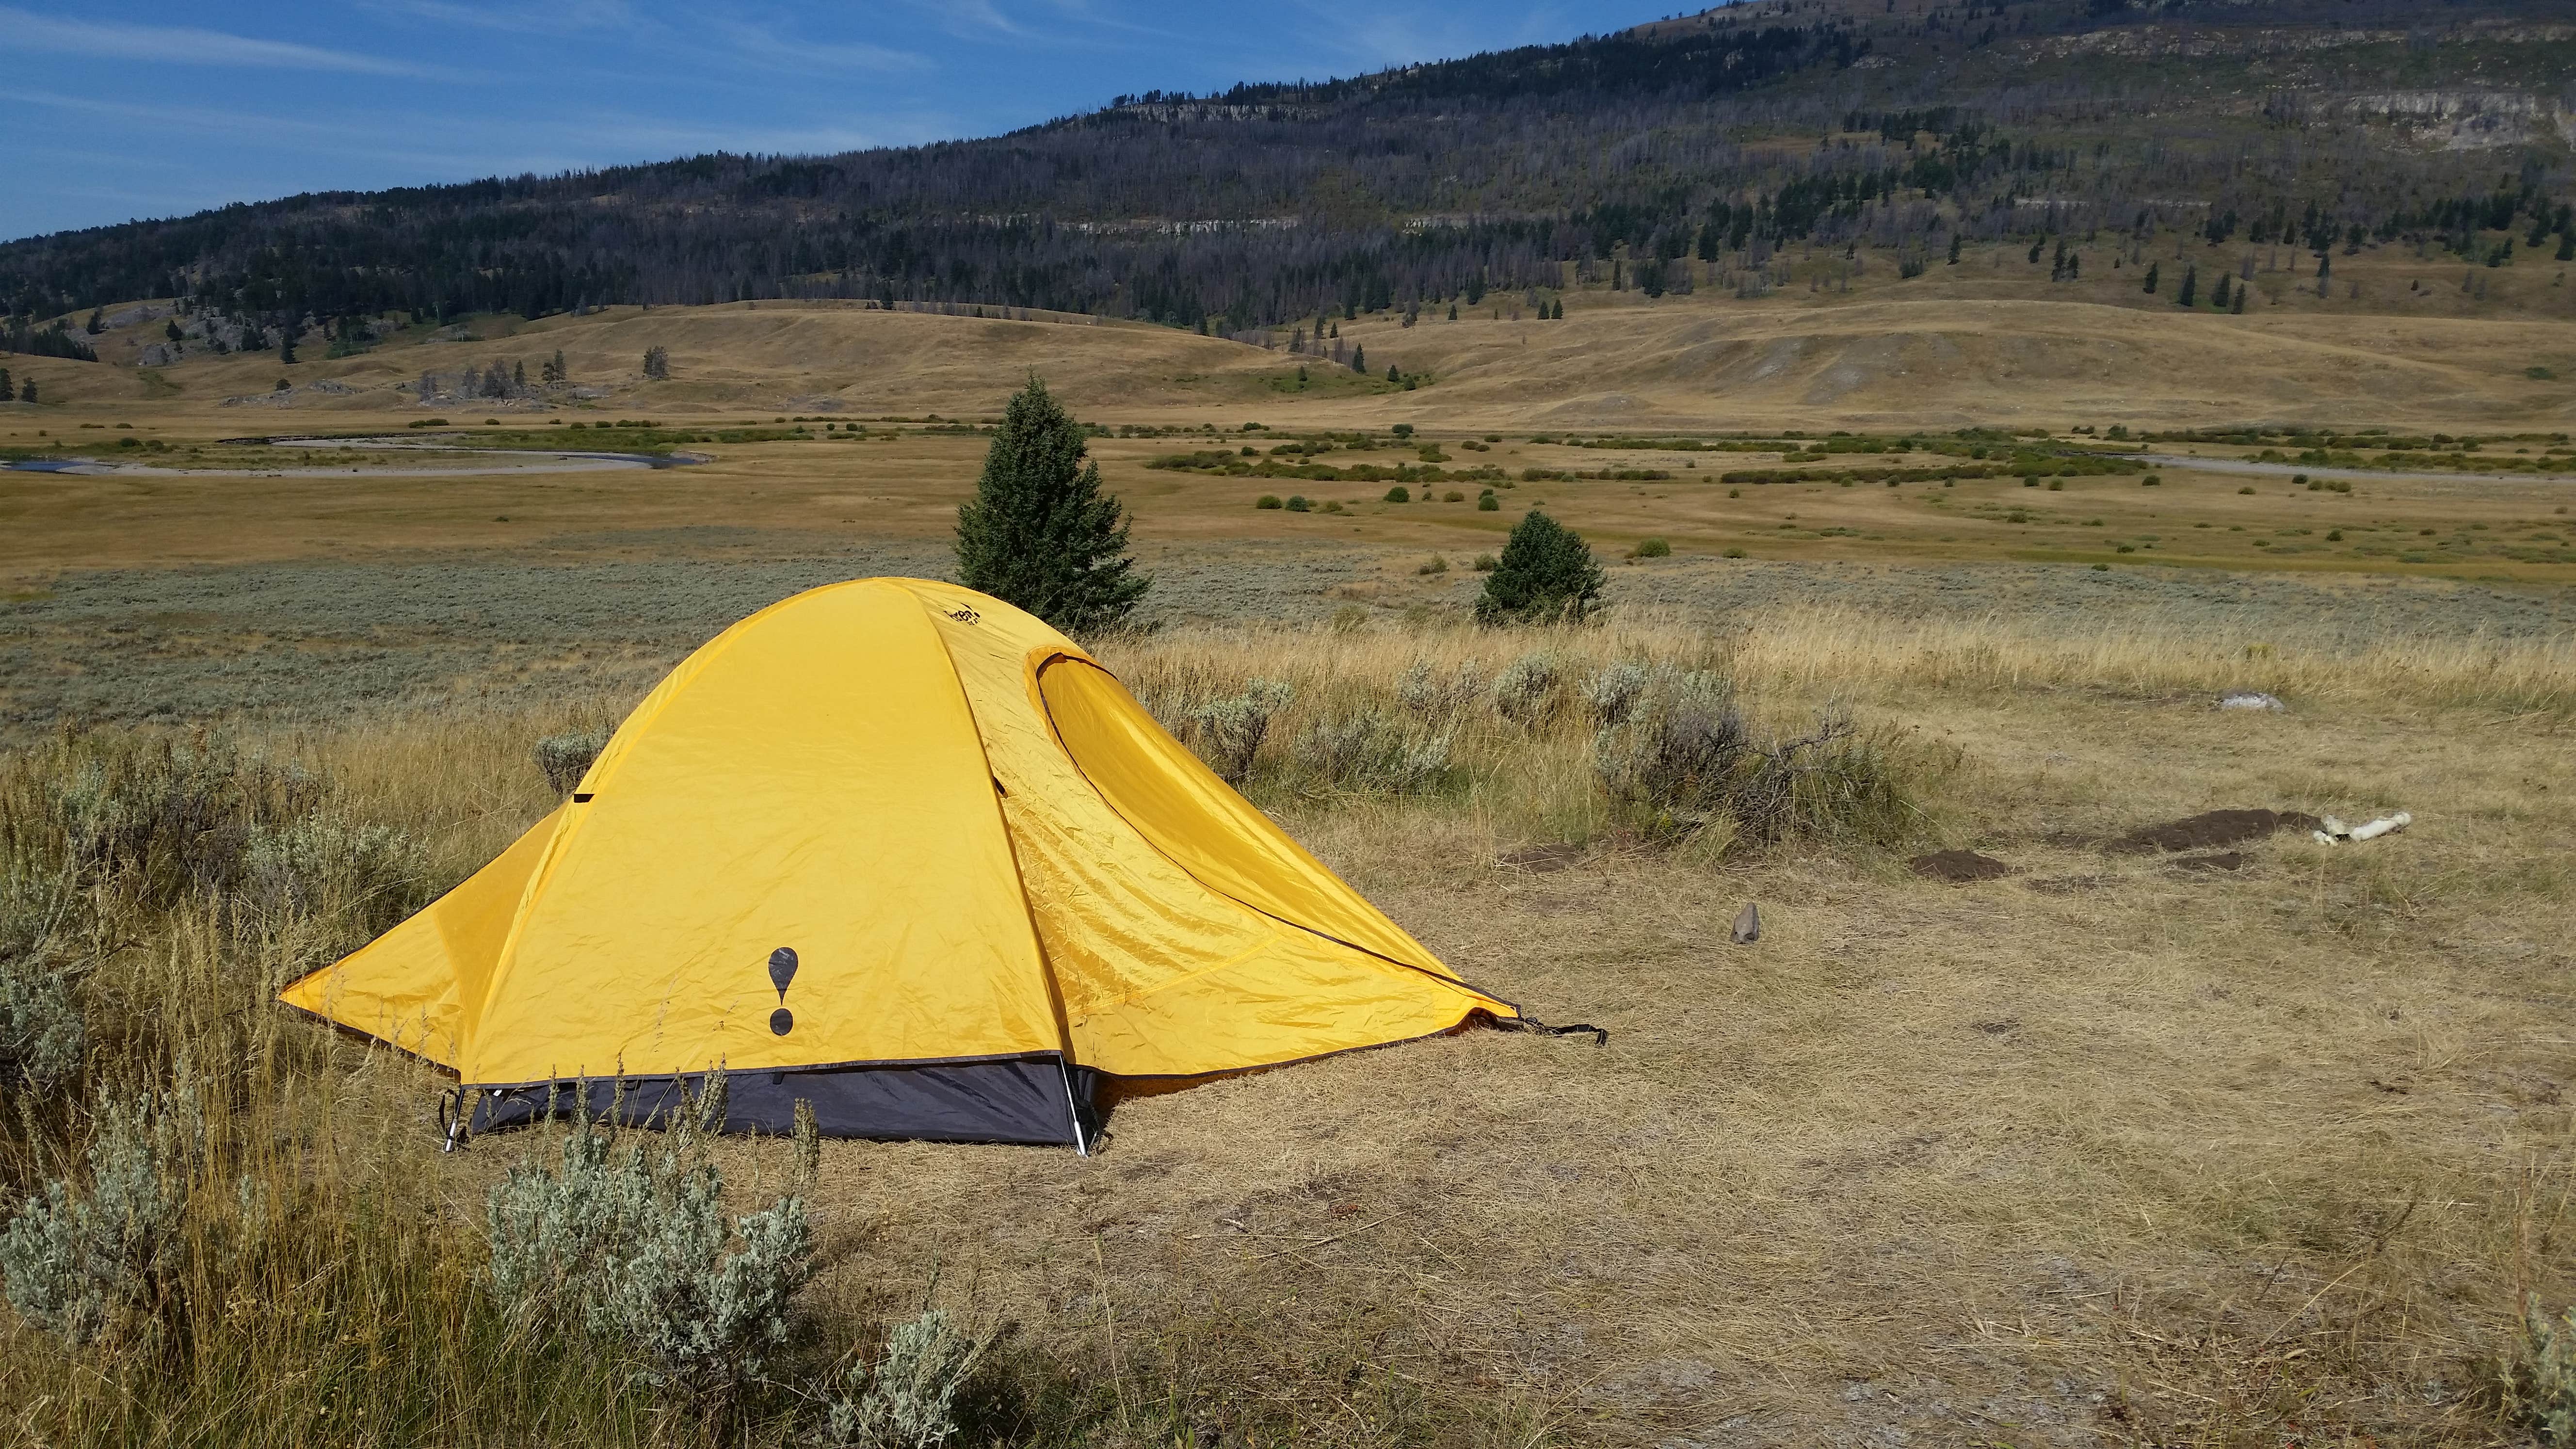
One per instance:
(22, 30)
(521, 17)
(1375, 36)
(766, 46)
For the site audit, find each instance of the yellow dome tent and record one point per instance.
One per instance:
(903, 852)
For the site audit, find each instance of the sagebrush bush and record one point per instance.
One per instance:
(1611, 694)
(41, 1032)
(634, 1245)
(2540, 1384)
(168, 817)
(1436, 701)
(371, 875)
(1227, 733)
(1672, 759)
(1529, 690)
(566, 758)
(1369, 752)
(1684, 759)
(907, 1398)
(72, 1259)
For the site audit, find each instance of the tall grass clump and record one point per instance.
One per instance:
(1625, 727)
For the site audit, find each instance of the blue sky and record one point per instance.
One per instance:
(114, 111)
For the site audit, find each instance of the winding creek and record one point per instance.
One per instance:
(500, 461)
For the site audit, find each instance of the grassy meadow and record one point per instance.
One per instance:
(2258, 1142)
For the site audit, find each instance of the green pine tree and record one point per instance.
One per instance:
(1359, 360)
(1954, 248)
(1039, 532)
(1546, 573)
(2151, 277)
(2190, 288)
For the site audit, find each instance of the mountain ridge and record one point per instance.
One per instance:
(1697, 147)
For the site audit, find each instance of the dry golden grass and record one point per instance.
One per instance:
(833, 494)
(2104, 1151)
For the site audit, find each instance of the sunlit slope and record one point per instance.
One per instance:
(1952, 363)
(1890, 357)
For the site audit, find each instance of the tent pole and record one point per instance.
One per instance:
(1072, 1111)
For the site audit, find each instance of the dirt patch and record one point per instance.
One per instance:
(2215, 828)
(2224, 860)
(1541, 859)
(1958, 865)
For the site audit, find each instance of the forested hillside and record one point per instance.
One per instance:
(1683, 154)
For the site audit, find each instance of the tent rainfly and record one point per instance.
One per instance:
(903, 852)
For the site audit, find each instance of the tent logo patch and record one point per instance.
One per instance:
(964, 615)
(782, 970)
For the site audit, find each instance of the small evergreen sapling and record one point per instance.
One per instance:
(1547, 573)
(1039, 532)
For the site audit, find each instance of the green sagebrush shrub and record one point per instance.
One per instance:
(76, 1256)
(635, 1245)
(1227, 733)
(1683, 758)
(371, 876)
(1369, 752)
(170, 817)
(41, 1033)
(1436, 701)
(2540, 1382)
(1611, 694)
(566, 758)
(907, 1397)
(1529, 690)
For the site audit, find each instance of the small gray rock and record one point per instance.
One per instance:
(1748, 924)
(2249, 699)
